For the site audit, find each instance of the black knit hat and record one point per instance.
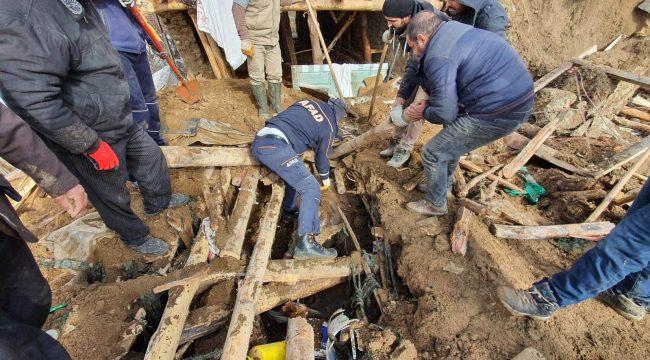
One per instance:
(398, 8)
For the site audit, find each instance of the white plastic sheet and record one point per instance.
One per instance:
(215, 18)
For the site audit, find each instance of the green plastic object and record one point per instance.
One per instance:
(532, 190)
(54, 309)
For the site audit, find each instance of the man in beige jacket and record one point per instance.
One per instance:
(258, 23)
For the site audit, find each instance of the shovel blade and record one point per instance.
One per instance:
(189, 92)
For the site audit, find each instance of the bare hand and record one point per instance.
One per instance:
(415, 111)
(398, 101)
(73, 201)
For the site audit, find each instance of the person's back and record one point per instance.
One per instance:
(482, 14)
(488, 75)
(79, 73)
(123, 30)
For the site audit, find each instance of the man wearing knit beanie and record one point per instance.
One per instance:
(398, 15)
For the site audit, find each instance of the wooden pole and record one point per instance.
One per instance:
(285, 33)
(164, 342)
(477, 169)
(316, 52)
(241, 324)
(618, 187)
(241, 213)
(616, 161)
(374, 91)
(463, 192)
(365, 39)
(529, 150)
(345, 26)
(564, 67)
(627, 197)
(130, 335)
(461, 231)
(299, 340)
(202, 156)
(584, 230)
(626, 76)
(635, 113)
(206, 48)
(632, 124)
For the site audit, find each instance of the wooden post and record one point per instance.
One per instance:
(299, 340)
(206, 48)
(130, 335)
(241, 213)
(374, 91)
(463, 192)
(316, 52)
(529, 150)
(365, 39)
(618, 187)
(632, 124)
(616, 161)
(635, 113)
(287, 38)
(461, 230)
(164, 342)
(345, 26)
(241, 324)
(564, 67)
(584, 230)
(477, 169)
(200, 156)
(616, 73)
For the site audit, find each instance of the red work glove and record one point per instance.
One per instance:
(104, 157)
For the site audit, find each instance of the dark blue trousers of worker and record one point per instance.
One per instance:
(25, 300)
(300, 183)
(620, 261)
(441, 154)
(144, 101)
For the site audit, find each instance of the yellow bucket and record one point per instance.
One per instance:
(272, 351)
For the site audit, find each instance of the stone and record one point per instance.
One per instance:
(549, 102)
(405, 351)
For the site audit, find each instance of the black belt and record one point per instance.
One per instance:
(272, 136)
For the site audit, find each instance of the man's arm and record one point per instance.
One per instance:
(239, 13)
(34, 64)
(494, 19)
(410, 78)
(322, 160)
(443, 99)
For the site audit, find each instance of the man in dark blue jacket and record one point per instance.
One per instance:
(482, 14)
(305, 125)
(128, 38)
(479, 90)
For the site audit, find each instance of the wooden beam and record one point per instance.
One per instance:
(616, 161)
(635, 113)
(165, 340)
(533, 145)
(337, 5)
(241, 213)
(564, 67)
(376, 88)
(202, 156)
(588, 195)
(465, 190)
(130, 335)
(243, 315)
(632, 124)
(345, 26)
(287, 38)
(206, 47)
(626, 76)
(299, 340)
(618, 187)
(461, 231)
(627, 197)
(477, 169)
(365, 38)
(316, 51)
(584, 230)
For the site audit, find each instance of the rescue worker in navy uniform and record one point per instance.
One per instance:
(307, 124)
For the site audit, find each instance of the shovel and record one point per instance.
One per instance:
(188, 91)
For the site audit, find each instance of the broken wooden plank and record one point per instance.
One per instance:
(241, 324)
(463, 192)
(632, 124)
(477, 169)
(533, 145)
(203, 156)
(339, 178)
(203, 37)
(627, 197)
(635, 113)
(461, 231)
(564, 67)
(241, 213)
(583, 230)
(618, 187)
(517, 141)
(211, 318)
(165, 340)
(345, 26)
(130, 335)
(616, 161)
(626, 76)
(589, 195)
(299, 340)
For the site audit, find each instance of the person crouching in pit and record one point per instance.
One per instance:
(305, 125)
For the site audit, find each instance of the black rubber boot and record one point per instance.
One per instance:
(275, 96)
(259, 91)
(529, 302)
(308, 248)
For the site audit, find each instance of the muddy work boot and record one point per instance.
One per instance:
(400, 157)
(259, 91)
(308, 248)
(390, 150)
(529, 302)
(425, 207)
(275, 96)
(151, 246)
(623, 305)
(175, 201)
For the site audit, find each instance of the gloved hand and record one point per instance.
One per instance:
(326, 184)
(387, 36)
(397, 116)
(104, 157)
(398, 101)
(247, 47)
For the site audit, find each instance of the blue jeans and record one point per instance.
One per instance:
(441, 154)
(280, 158)
(144, 102)
(620, 261)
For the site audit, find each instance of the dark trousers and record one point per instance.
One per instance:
(620, 261)
(139, 156)
(25, 300)
(441, 154)
(280, 158)
(144, 102)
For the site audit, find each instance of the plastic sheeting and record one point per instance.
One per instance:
(215, 18)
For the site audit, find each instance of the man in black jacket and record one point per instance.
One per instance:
(25, 296)
(59, 72)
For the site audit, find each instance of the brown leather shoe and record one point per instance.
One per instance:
(425, 207)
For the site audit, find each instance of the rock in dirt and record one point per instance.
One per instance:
(453, 268)
(529, 353)
(549, 102)
(405, 351)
